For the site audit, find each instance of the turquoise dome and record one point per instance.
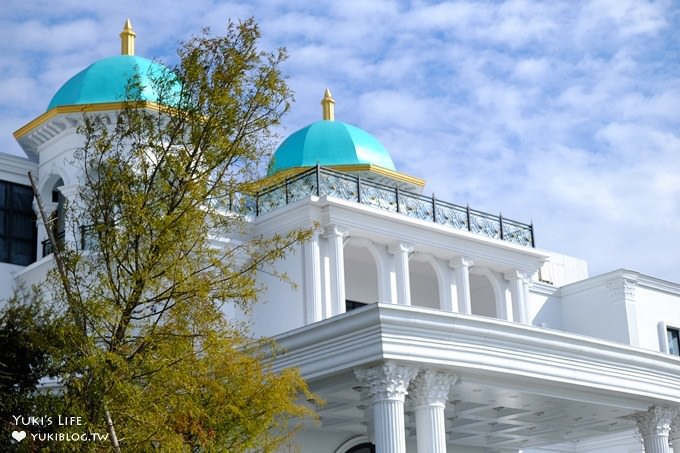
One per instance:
(329, 143)
(107, 80)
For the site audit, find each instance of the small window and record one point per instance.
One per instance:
(673, 341)
(17, 224)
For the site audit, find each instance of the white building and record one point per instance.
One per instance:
(424, 325)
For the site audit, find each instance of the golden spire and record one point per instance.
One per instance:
(328, 106)
(127, 39)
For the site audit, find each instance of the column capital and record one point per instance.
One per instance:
(335, 231)
(674, 435)
(431, 387)
(656, 421)
(400, 247)
(516, 274)
(388, 381)
(317, 231)
(460, 261)
(622, 288)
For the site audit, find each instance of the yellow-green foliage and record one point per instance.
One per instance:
(151, 343)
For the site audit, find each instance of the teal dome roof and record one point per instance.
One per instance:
(329, 143)
(107, 80)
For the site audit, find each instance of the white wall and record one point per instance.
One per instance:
(7, 274)
(595, 309)
(281, 306)
(656, 301)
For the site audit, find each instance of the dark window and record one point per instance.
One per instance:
(17, 224)
(363, 448)
(673, 340)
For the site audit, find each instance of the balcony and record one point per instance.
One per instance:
(320, 181)
(87, 240)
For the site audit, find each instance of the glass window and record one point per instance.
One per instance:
(17, 224)
(673, 340)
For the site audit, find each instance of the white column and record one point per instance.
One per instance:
(674, 435)
(430, 391)
(654, 426)
(401, 252)
(313, 307)
(461, 269)
(336, 237)
(518, 295)
(449, 296)
(387, 388)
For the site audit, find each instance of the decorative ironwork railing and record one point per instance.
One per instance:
(322, 181)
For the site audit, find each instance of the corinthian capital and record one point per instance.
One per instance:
(656, 421)
(388, 381)
(432, 387)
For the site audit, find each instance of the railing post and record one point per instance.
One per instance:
(396, 192)
(500, 218)
(285, 185)
(434, 209)
(257, 204)
(359, 189)
(318, 180)
(531, 230)
(467, 212)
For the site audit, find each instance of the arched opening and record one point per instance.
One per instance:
(424, 284)
(482, 296)
(59, 213)
(55, 205)
(361, 277)
(366, 447)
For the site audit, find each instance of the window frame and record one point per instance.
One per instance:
(663, 330)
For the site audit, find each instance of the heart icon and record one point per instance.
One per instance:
(19, 435)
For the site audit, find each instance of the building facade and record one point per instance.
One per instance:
(425, 326)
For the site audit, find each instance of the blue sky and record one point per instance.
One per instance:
(564, 113)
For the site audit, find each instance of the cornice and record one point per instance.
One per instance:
(554, 362)
(82, 108)
(632, 277)
(53, 122)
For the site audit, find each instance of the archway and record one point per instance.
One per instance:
(482, 296)
(424, 284)
(361, 276)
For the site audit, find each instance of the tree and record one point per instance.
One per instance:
(166, 252)
(30, 347)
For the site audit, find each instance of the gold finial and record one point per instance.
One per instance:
(127, 39)
(328, 106)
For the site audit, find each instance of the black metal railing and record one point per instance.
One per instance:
(48, 247)
(87, 240)
(322, 181)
